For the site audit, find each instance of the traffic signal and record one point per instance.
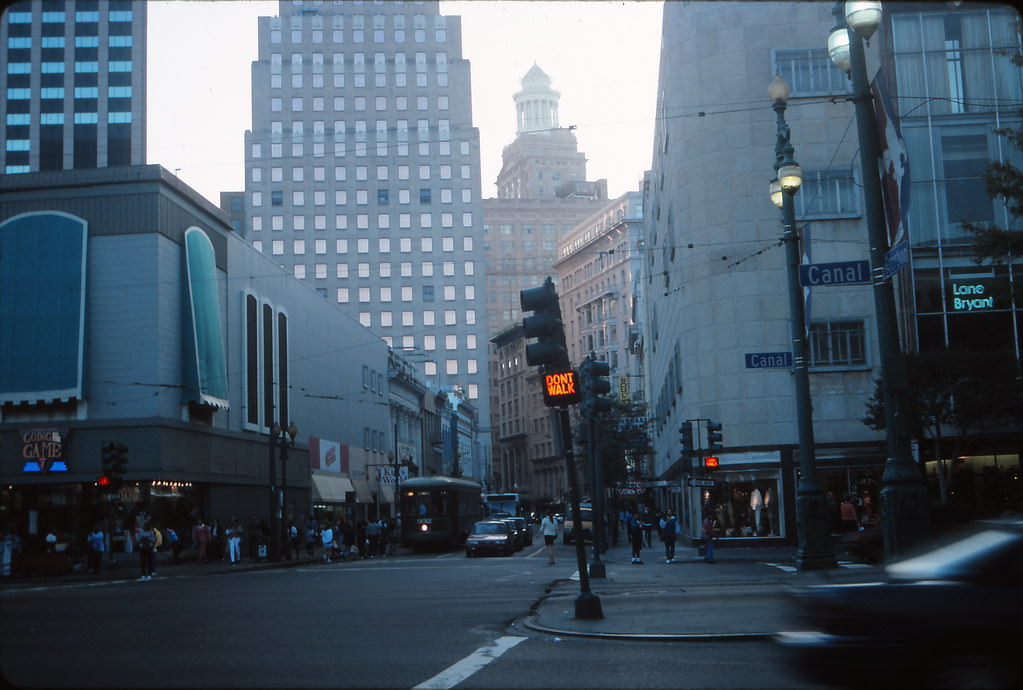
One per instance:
(109, 451)
(711, 462)
(713, 436)
(686, 437)
(593, 374)
(544, 324)
(115, 460)
(120, 460)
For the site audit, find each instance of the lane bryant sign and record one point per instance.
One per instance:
(560, 388)
(975, 294)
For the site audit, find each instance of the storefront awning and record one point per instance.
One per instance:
(362, 491)
(330, 488)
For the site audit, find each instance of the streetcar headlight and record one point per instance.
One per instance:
(424, 528)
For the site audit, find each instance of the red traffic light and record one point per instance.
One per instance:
(103, 480)
(710, 462)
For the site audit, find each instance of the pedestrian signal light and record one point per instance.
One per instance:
(710, 462)
(560, 388)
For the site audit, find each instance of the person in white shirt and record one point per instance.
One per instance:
(549, 529)
(327, 538)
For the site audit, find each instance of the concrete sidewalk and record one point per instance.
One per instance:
(742, 596)
(126, 566)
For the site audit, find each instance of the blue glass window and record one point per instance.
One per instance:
(206, 363)
(41, 359)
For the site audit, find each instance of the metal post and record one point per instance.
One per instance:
(814, 551)
(904, 505)
(274, 537)
(284, 500)
(587, 604)
(597, 569)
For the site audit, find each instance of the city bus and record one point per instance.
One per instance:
(439, 512)
(502, 503)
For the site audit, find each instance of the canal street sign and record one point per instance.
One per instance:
(768, 360)
(895, 258)
(838, 273)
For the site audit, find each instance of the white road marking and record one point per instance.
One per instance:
(455, 674)
(840, 564)
(537, 552)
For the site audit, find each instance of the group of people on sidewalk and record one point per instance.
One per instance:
(344, 539)
(639, 524)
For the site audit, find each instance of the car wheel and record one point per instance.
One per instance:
(468, 554)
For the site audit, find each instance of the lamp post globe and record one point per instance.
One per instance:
(863, 16)
(790, 177)
(776, 192)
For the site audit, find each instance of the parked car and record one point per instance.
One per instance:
(945, 617)
(525, 531)
(516, 529)
(490, 536)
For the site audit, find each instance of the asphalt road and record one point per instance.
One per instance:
(429, 620)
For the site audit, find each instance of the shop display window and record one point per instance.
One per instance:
(746, 504)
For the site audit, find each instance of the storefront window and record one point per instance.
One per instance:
(746, 504)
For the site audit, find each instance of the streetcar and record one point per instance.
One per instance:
(439, 512)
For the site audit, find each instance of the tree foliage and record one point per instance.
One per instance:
(954, 389)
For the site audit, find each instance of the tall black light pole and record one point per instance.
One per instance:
(814, 552)
(283, 439)
(904, 504)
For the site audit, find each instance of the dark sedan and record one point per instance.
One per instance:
(947, 617)
(490, 536)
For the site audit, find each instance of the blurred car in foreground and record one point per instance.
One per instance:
(490, 536)
(946, 617)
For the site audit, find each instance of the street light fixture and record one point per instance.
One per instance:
(814, 551)
(904, 505)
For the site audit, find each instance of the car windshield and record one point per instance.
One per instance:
(490, 528)
(963, 557)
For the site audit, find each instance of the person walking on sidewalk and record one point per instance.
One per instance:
(234, 541)
(145, 540)
(549, 529)
(710, 531)
(669, 529)
(96, 548)
(635, 525)
(327, 537)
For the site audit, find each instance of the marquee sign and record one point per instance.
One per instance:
(43, 450)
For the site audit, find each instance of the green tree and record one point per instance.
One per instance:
(954, 389)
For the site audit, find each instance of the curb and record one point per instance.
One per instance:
(533, 623)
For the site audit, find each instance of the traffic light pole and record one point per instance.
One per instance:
(587, 604)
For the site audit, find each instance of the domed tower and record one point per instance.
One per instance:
(536, 105)
(544, 161)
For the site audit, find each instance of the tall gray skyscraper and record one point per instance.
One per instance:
(363, 175)
(73, 80)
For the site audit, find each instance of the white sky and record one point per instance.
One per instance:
(602, 57)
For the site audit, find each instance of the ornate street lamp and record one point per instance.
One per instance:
(904, 505)
(282, 439)
(814, 551)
